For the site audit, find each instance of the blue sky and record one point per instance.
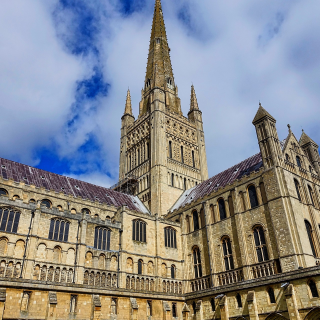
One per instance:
(65, 66)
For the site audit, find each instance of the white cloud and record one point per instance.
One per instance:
(235, 54)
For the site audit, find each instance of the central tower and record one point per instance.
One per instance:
(163, 150)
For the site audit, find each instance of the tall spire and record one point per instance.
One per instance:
(128, 108)
(159, 69)
(193, 100)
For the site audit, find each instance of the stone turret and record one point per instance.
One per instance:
(311, 149)
(267, 134)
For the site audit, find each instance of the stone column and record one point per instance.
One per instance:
(199, 310)
(166, 311)
(185, 312)
(134, 309)
(2, 301)
(292, 303)
(223, 303)
(259, 196)
(52, 305)
(252, 306)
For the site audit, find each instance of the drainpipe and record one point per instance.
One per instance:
(76, 255)
(205, 219)
(120, 234)
(25, 247)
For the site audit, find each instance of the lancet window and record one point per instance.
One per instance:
(102, 238)
(59, 230)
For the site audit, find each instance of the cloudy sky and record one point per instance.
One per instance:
(65, 66)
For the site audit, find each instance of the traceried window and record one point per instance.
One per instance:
(297, 185)
(195, 220)
(310, 236)
(260, 242)
(170, 239)
(139, 230)
(227, 253)
(102, 238)
(253, 196)
(222, 209)
(59, 230)
(9, 220)
(298, 161)
(197, 263)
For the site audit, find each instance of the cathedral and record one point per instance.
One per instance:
(166, 242)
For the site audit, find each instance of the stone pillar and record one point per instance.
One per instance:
(226, 205)
(199, 310)
(223, 303)
(166, 311)
(252, 306)
(52, 305)
(259, 196)
(2, 301)
(185, 312)
(292, 303)
(96, 307)
(134, 309)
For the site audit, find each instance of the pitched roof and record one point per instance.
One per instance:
(69, 186)
(262, 113)
(223, 178)
(304, 139)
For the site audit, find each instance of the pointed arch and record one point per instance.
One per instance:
(275, 316)
(313, 314)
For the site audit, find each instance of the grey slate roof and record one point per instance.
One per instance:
(69, 186)
(223, 178)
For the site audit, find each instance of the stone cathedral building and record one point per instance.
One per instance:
(166, 242)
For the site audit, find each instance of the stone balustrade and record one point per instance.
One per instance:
(140, 283)
(98, 278)
(200, 284)
(10, 268)
(264, 269)
(229, 277)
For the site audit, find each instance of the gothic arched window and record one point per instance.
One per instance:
(310, 193)
(102, 238)
(185, 184)
(310, 236)
(172, 179)
(260, 242)
(59, 230)
(197, 263)
(253, 196)
(139, 230)
(271, 295)
(227, 253)
(193, 162)
(170, 239)
(239, 301)
(9, 220)
(140, 266)
(313, 289)
(297, 185)
(170, 149)
(182, 159)
(173, 271)
(222, 209)
(298, 161)
(195, 220)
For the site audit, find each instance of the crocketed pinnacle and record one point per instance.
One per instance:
(159, 69)
(128, 108)
(305, 139)
(193, 100)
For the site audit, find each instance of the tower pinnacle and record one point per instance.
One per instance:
(193, 100)
(128, 108)
(159, 69)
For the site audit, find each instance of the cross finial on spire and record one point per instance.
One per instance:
(289, 127)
